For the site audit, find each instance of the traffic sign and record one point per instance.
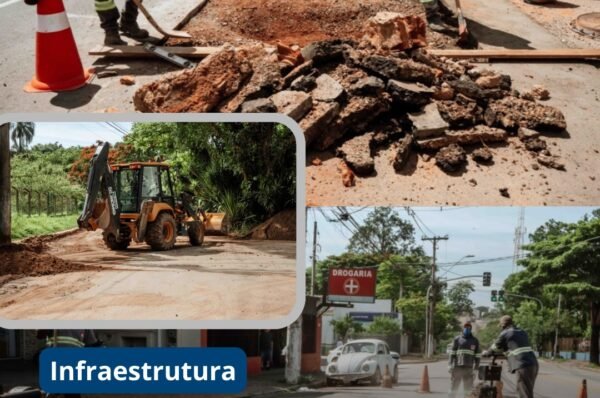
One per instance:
(352, 285)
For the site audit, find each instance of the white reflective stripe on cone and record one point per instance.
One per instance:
(53, 23)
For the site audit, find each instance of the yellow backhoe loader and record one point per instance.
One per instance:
(136, 202)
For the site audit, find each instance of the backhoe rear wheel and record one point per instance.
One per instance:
(110, 240)
(162, 233)
(196, 233)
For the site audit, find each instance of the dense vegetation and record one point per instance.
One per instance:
(247, 170)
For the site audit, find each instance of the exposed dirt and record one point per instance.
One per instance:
(293, 23)
(223, 279)
(29, 258)
(282, 226)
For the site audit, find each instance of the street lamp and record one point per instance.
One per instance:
(429, 311)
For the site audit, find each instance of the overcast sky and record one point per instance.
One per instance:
(78, 134)
(485, 232)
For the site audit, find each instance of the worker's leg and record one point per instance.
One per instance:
(129, 25)
(109, 21)
(455, 379)
(468, 381)
(526, 381)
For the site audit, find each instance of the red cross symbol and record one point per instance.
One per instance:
(351, 286)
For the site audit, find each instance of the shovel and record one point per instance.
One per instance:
(167, 33)
(463, 32)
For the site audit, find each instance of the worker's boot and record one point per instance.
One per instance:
(109, 21)
(129, 25)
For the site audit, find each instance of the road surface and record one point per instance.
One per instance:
(223, 279)
(554, 381)
(17, 58)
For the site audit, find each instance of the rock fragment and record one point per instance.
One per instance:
(369, 85)
(328, 89)
(294, 104)
(444, 93)
(464, 112)
(320, 52)
(428, 122)
(504, 192)
(391, 31)
(348, 178)
(512, 113)
(399, 69)
(304, 83)
(525, 134)
(316, 122)
(451, 158)
(201, 89)
(476, 135)
(482, 155)
(403, 152)
(127, 80)
(261, 105)
(535, 144)
(551, 161)
(357, 154)
(409, 95)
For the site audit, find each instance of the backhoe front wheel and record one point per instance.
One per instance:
(196, 233)
(110, 240)
(162, 233)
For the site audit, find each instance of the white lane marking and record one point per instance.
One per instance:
(9, 2)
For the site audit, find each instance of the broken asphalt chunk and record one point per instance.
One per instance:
(428, 122)
(358, 155)
(451, 158)
(294, 104)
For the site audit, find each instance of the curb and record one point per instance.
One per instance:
(52, 236)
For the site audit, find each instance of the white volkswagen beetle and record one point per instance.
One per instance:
(362, 360)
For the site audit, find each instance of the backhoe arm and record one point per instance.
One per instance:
(104, 214)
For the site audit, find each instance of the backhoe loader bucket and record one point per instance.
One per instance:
(216, 224)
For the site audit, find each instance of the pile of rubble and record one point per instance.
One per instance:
(30, 258)
(356, 98)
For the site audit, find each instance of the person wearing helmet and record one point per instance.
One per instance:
(463, 360)
(514, 343)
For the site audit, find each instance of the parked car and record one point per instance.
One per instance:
(361, 360)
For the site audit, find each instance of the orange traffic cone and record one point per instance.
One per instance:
(424, 381)
(386, 381)
(57, 65)
(583, 390)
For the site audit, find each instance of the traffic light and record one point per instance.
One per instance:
(494, 295)
(487, 279)
(500, 295)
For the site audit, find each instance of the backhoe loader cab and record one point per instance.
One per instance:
(136, 201)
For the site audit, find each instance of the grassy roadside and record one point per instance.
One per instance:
(24, 226)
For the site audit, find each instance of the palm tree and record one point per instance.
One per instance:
(4, 185)
(22, 134)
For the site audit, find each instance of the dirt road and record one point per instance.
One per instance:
(222, 280)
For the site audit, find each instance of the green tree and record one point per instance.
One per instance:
(458, 296)
(538, 324)
(22, 134)
(564, 259)
(343, 326)
(383, 325)
(247, 170)
(413, 307)
(5, 216)
(384, 232)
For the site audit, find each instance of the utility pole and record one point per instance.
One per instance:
(557, 322)
(431, 293)
(5, 228)
(313, 275)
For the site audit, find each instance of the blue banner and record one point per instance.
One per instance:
(143, 370)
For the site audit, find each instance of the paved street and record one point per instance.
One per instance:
(554, 381)
(17, 58)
